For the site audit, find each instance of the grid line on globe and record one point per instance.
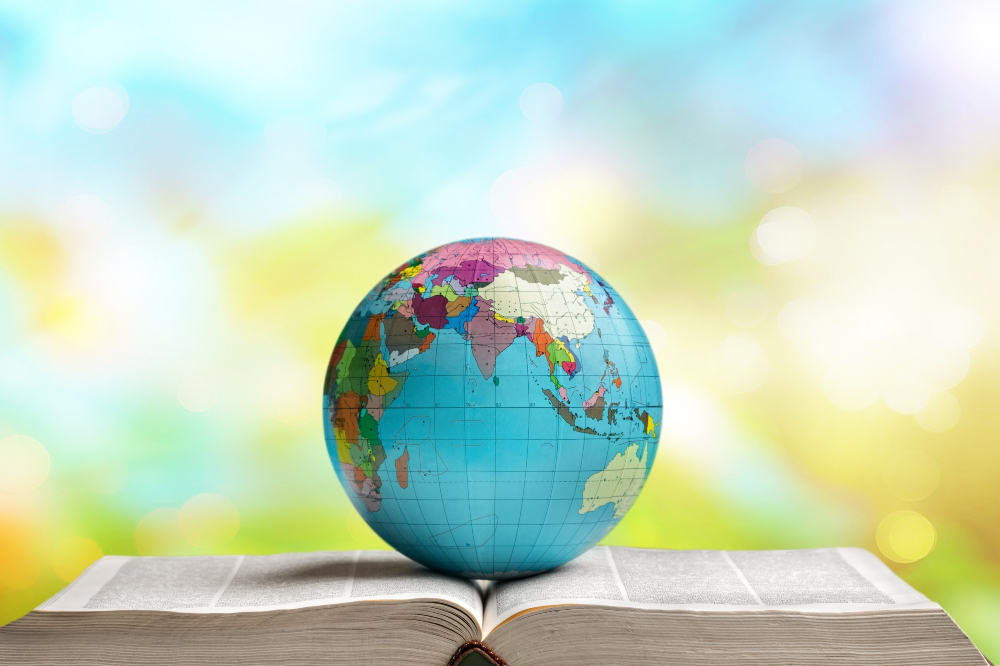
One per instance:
(492, 408)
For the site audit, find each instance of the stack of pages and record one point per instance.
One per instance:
(610, 606)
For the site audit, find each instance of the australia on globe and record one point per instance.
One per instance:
(492, 408)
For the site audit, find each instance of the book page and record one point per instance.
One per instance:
(253, 583)
(386, 573)
(586, 577)
(819, 580)
(267, 581)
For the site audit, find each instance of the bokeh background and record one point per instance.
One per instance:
(799, 200)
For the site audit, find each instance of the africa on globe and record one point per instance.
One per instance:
(492, 408)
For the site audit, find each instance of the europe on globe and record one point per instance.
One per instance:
(492, 408)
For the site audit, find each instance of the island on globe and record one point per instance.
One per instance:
(492, 408)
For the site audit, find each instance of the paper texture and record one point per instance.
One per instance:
(821, 580)
(229, 584)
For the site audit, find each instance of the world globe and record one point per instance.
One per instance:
(492, 408)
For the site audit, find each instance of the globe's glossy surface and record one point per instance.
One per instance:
(492, 408)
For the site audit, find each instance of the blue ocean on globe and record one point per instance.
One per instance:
(492, 408)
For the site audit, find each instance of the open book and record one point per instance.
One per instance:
(609, 606)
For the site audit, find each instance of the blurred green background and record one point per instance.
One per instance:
(799, 201)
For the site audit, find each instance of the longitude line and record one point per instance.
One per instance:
(557, 443)
(431, 438)
(470, 248)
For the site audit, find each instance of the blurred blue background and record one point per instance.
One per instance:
(799, 200)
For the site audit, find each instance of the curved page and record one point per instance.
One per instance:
(254, 583)
(820, 580)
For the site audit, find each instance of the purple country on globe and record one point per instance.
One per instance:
(492, 408)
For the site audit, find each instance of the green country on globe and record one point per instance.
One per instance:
(492, 408)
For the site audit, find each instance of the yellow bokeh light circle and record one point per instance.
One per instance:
(74, 320)
(19, 567)
(940, 414)
(24, 464)
(209, 520)
(197, 393)
(906, 536)
(911, 475)
(158, 533)
(73, 555)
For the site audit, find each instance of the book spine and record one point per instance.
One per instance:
(475, 646)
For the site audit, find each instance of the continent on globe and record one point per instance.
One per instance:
(619, 483)
(515, 396)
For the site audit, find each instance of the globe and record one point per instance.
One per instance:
(492, 408)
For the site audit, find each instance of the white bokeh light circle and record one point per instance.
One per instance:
(541, 102)
(944, 367)
(958, 326)
(24, 464)
(99, 109)
(941, 413)
(906, 391)
(784, 234)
